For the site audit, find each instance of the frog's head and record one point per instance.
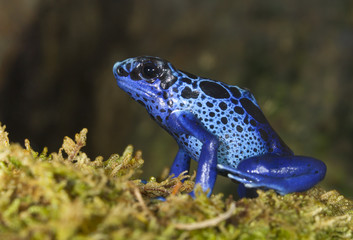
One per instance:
(144, 77)
(148, 81)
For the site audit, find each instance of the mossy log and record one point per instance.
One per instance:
(66, 195)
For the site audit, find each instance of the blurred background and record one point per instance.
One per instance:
(56, 60)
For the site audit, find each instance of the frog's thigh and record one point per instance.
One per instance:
(184, 122)
(284, 174)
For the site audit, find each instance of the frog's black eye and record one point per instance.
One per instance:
(149, 70)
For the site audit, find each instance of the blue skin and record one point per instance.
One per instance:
(218, 125)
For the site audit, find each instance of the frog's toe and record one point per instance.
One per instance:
(162, 199)
(192, 194)
(248, 182)
(246, 192)
(239, 176)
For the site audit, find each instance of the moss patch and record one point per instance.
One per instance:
(66, 195)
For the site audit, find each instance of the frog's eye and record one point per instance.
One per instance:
(149, 70)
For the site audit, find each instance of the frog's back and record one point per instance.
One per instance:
(232, 114)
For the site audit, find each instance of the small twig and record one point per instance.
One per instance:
(75, 151)
(207, 223)
(177, 187)
(141, 202)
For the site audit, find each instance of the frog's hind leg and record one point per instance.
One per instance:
(284, 174)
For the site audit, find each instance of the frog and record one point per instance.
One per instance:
(218, 125)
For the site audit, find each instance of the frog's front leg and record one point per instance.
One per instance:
(181, 163)
(184, 122)
(284, 174)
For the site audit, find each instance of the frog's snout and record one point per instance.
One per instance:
(115, 68)
(120, 71)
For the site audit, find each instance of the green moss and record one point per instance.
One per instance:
(65, 195)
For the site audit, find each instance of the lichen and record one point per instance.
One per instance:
(66, 195)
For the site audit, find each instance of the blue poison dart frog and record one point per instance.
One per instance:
(218, 125)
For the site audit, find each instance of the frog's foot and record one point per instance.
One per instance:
(284, 174)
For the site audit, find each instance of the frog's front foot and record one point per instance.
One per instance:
(284, 174)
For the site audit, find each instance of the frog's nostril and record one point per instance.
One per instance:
(121, 72)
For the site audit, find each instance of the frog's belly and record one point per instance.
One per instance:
(230, 152)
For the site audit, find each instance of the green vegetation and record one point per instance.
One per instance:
(66, 195)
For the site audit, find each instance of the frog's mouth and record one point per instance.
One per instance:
(136, 89)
